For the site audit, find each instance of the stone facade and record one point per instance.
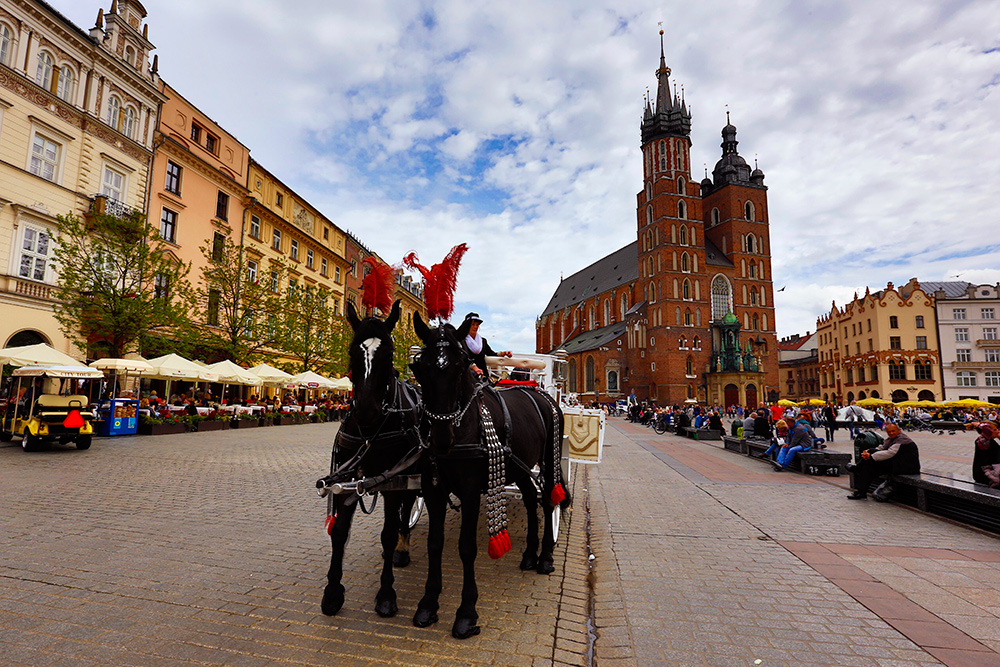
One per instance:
(798, 361)
(970, 344)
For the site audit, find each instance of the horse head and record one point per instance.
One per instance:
(370, 362)
(442, 369)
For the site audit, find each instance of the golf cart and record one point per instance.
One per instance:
(57, 412)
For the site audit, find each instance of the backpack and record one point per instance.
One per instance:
(868, 440)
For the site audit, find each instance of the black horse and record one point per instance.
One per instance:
(453, 398)
(378, 434)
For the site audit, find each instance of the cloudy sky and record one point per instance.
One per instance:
(514, 127)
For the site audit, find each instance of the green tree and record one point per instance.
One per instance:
(240, 298)
(403, 338)
(307, 321)
(118, 283)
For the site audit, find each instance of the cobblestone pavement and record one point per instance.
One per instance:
(705, 557)
(208, 549)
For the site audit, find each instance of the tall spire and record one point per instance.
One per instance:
(663, 76)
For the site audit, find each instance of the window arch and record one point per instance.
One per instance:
(686, 290)
(663, 156)
(649, 215)
(751, 269)
(130, 54)
(128, 122)
(689, 366)
(114, 111)
(716, 217)
(673, 233)
(756, 322)
(697, 343)
(588, 375)
(753, 296)
(685, 263)
(722, 297)
(624, 306)
(572, 376)
(682, 210)
(591, 318)
(682, 343)
(748, 211)
(607, 313)
(687, 317)
(576, 317)
(683, 235)
(6, 44)
(43, 73)
(64, 89)
(680, 185)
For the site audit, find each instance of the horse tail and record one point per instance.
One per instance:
(553, 488)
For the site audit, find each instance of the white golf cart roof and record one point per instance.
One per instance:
(75, 372)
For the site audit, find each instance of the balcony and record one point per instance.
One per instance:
(104, 205)
(26, 288)
(988, 342)
(958, 365)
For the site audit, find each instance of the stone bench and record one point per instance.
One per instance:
(951, 496)
(812, 462)
(700, 433)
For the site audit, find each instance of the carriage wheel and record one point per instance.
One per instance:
(416, 511)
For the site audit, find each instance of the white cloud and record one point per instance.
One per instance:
(514, 127)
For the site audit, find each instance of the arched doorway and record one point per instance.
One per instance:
(925, 395)
(875, 394)
(861, 395)
(752, 396)
(850, 396)
(826, 397)
(899, 396)
(732, 395)
(27, 337)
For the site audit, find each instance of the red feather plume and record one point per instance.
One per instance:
(377, 286)
(439, 281)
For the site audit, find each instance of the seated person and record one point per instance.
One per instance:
(761, 425)
(715, 422)
(802, 439)
(987, 454)
(192, 407)
(898, 455)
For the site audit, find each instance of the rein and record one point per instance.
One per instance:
(458, 415)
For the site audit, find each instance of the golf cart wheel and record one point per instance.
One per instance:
(29, 443)
(83, 442)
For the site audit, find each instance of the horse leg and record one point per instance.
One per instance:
(333, 594)
(546, 562)
(435, 504)
(401, 557)
(529, 494)
(466, 617)
(385, 599)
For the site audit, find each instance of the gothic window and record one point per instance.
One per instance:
(607, 312)
(753, 296)
(572, 376)
(588, 382)
(591, 318)
(756, 322)
(748, 211)
(649, 215)
(694, 236)
(677, 315)
(689, 366)
(687, 317)
(743, 268)
(697, 343)
(684, 235)
(716, 218)
(673, 233)
(697, 316)
(721, 297)
(676, 293)
(752, 270)
(624, 306)
(663, 156)
(681, 210)
(685, 263)
(576, 318)
(686, 290)
(680, 185)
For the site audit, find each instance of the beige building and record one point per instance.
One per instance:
(970, 345)
(77, 114)
(881, 345)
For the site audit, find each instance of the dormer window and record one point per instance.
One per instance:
(130, 55)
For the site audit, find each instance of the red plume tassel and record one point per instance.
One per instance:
(499, 544)
(331, 519)
(439, 281)
(558, 494)
(377, 286)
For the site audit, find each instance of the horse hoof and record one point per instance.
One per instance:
(545, 567)
(386, 608)
(333, 600)
(464, 628)
(425, 618)
(529, 562)
(400, 558)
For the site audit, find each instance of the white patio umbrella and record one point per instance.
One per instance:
(310, 380)
(39, 354)
(342, 384)
(123, 367)
(175, 367)
(230, 373)
(270, 374)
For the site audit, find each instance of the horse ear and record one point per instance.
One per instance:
(422, 330)
(352, 316)
(463, 330)
(390, 321)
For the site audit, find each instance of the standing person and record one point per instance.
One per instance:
(898, 455)
(478, 346)
(854, 414)
(829, 422)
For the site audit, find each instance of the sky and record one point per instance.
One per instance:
(514, 127)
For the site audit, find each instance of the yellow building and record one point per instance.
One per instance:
(77, 114)
(882, 345)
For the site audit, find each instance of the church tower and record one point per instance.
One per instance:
(671, 251)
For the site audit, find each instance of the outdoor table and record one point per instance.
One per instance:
(291, 408)
(203, 411)
(310, 408)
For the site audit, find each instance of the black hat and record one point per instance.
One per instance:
(473, 317)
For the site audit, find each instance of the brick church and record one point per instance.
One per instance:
(686, 312)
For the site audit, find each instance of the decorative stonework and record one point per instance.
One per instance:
(303, 219)
(40, 97)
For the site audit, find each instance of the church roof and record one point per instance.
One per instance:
(609, 272)
(714, 256)
(591, 340)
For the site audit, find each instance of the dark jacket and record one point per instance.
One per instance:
(480, 359)
(762, 428)
(831, 417)
(903, 453)
(985, 457)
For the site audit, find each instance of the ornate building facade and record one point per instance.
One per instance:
(883, 345)
(970, 344)
(686, 312)
(77, 115)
